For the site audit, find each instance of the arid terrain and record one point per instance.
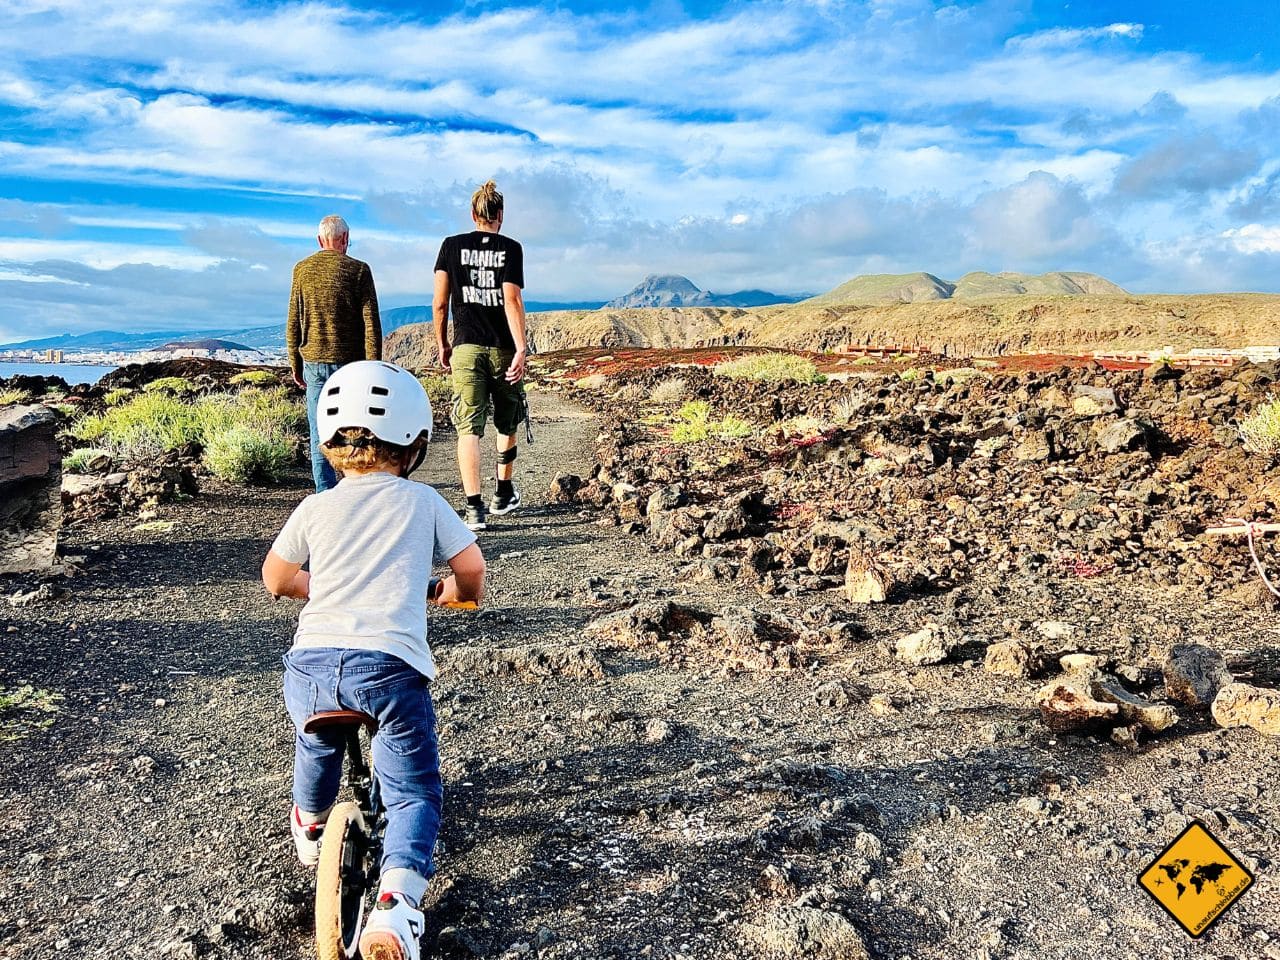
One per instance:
(972, 327)
(675, 731)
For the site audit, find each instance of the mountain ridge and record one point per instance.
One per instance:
(674, 290)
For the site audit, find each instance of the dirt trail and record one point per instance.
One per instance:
(655, 810)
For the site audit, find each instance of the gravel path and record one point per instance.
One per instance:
(661, 807)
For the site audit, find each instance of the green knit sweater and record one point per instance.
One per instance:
(333, 312)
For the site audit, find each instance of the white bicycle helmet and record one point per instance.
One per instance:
(386, 400)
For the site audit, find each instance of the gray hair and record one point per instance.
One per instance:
(333, 226)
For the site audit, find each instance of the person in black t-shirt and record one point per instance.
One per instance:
(480, 277)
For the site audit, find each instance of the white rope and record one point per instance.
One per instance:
(1253, 552)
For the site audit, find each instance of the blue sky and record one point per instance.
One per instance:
(164, 162)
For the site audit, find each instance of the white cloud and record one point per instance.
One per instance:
(1254, 238)
(1060, 37)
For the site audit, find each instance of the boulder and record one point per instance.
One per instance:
(1067, 707)
(1244, 705)
(1194, 673)
(30, 489)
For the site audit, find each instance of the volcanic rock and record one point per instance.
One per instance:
(1135, 710)
(1244, 705)
(1067, 707)
(1194, 673)
(810, 933)
(865, 579)
(931, 644)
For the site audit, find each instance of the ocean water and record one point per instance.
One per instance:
(70, 372)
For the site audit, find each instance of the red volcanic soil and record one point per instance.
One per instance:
(588, 361)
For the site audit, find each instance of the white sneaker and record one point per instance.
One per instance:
(393, 930)
(306, 838)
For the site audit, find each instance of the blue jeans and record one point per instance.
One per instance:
(314, 376)
(405, 756)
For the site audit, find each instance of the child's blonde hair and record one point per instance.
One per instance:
(486, 203)
(358, 449)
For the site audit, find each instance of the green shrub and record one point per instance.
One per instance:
(957, 374)
(1260, 431)
(910, 375)
(694, 424)
(255, 378)
(865, 362)
(113, 398)
(439, 391)
(13, 398)
(244, 454)
(149, 424)
(173, 386)
(81, 461)
(774, 367)
(670, 391)
(66, 410)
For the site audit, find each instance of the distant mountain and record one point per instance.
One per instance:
(673, 290)
(920, 287)
(205, 343)
(256, 338)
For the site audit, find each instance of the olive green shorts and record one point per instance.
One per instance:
(479, 383)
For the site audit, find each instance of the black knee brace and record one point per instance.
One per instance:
(507, 456)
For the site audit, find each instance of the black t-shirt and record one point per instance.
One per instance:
(478, 264)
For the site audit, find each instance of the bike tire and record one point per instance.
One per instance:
(340, 884)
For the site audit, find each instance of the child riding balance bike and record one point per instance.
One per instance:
(360, 653)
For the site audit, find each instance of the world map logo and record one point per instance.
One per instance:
(1195, 879)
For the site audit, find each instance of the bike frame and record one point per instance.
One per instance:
(365, 787)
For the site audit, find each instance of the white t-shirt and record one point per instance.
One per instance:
(371, 541)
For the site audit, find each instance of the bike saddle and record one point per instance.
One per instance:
(339, 718)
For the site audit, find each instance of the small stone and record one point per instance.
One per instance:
(865, 580)
(1119, 436)
(1244, 705)
(931, 644)
(1035, 447)
(835, 694)
(658, 730)
(1009, 658)
(565, 487)
(161, 702)
(811, 933)
(776, 881)
(1054, 630)
(882, 705)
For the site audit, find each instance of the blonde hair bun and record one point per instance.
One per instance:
(486, 203)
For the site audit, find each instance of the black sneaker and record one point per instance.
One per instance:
(475, 518)
(499, 504)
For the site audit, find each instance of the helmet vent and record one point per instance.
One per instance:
(380, 391)
(333, 391)
(331, 412)
(377, 411)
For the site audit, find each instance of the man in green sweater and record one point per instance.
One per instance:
(333, 320)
